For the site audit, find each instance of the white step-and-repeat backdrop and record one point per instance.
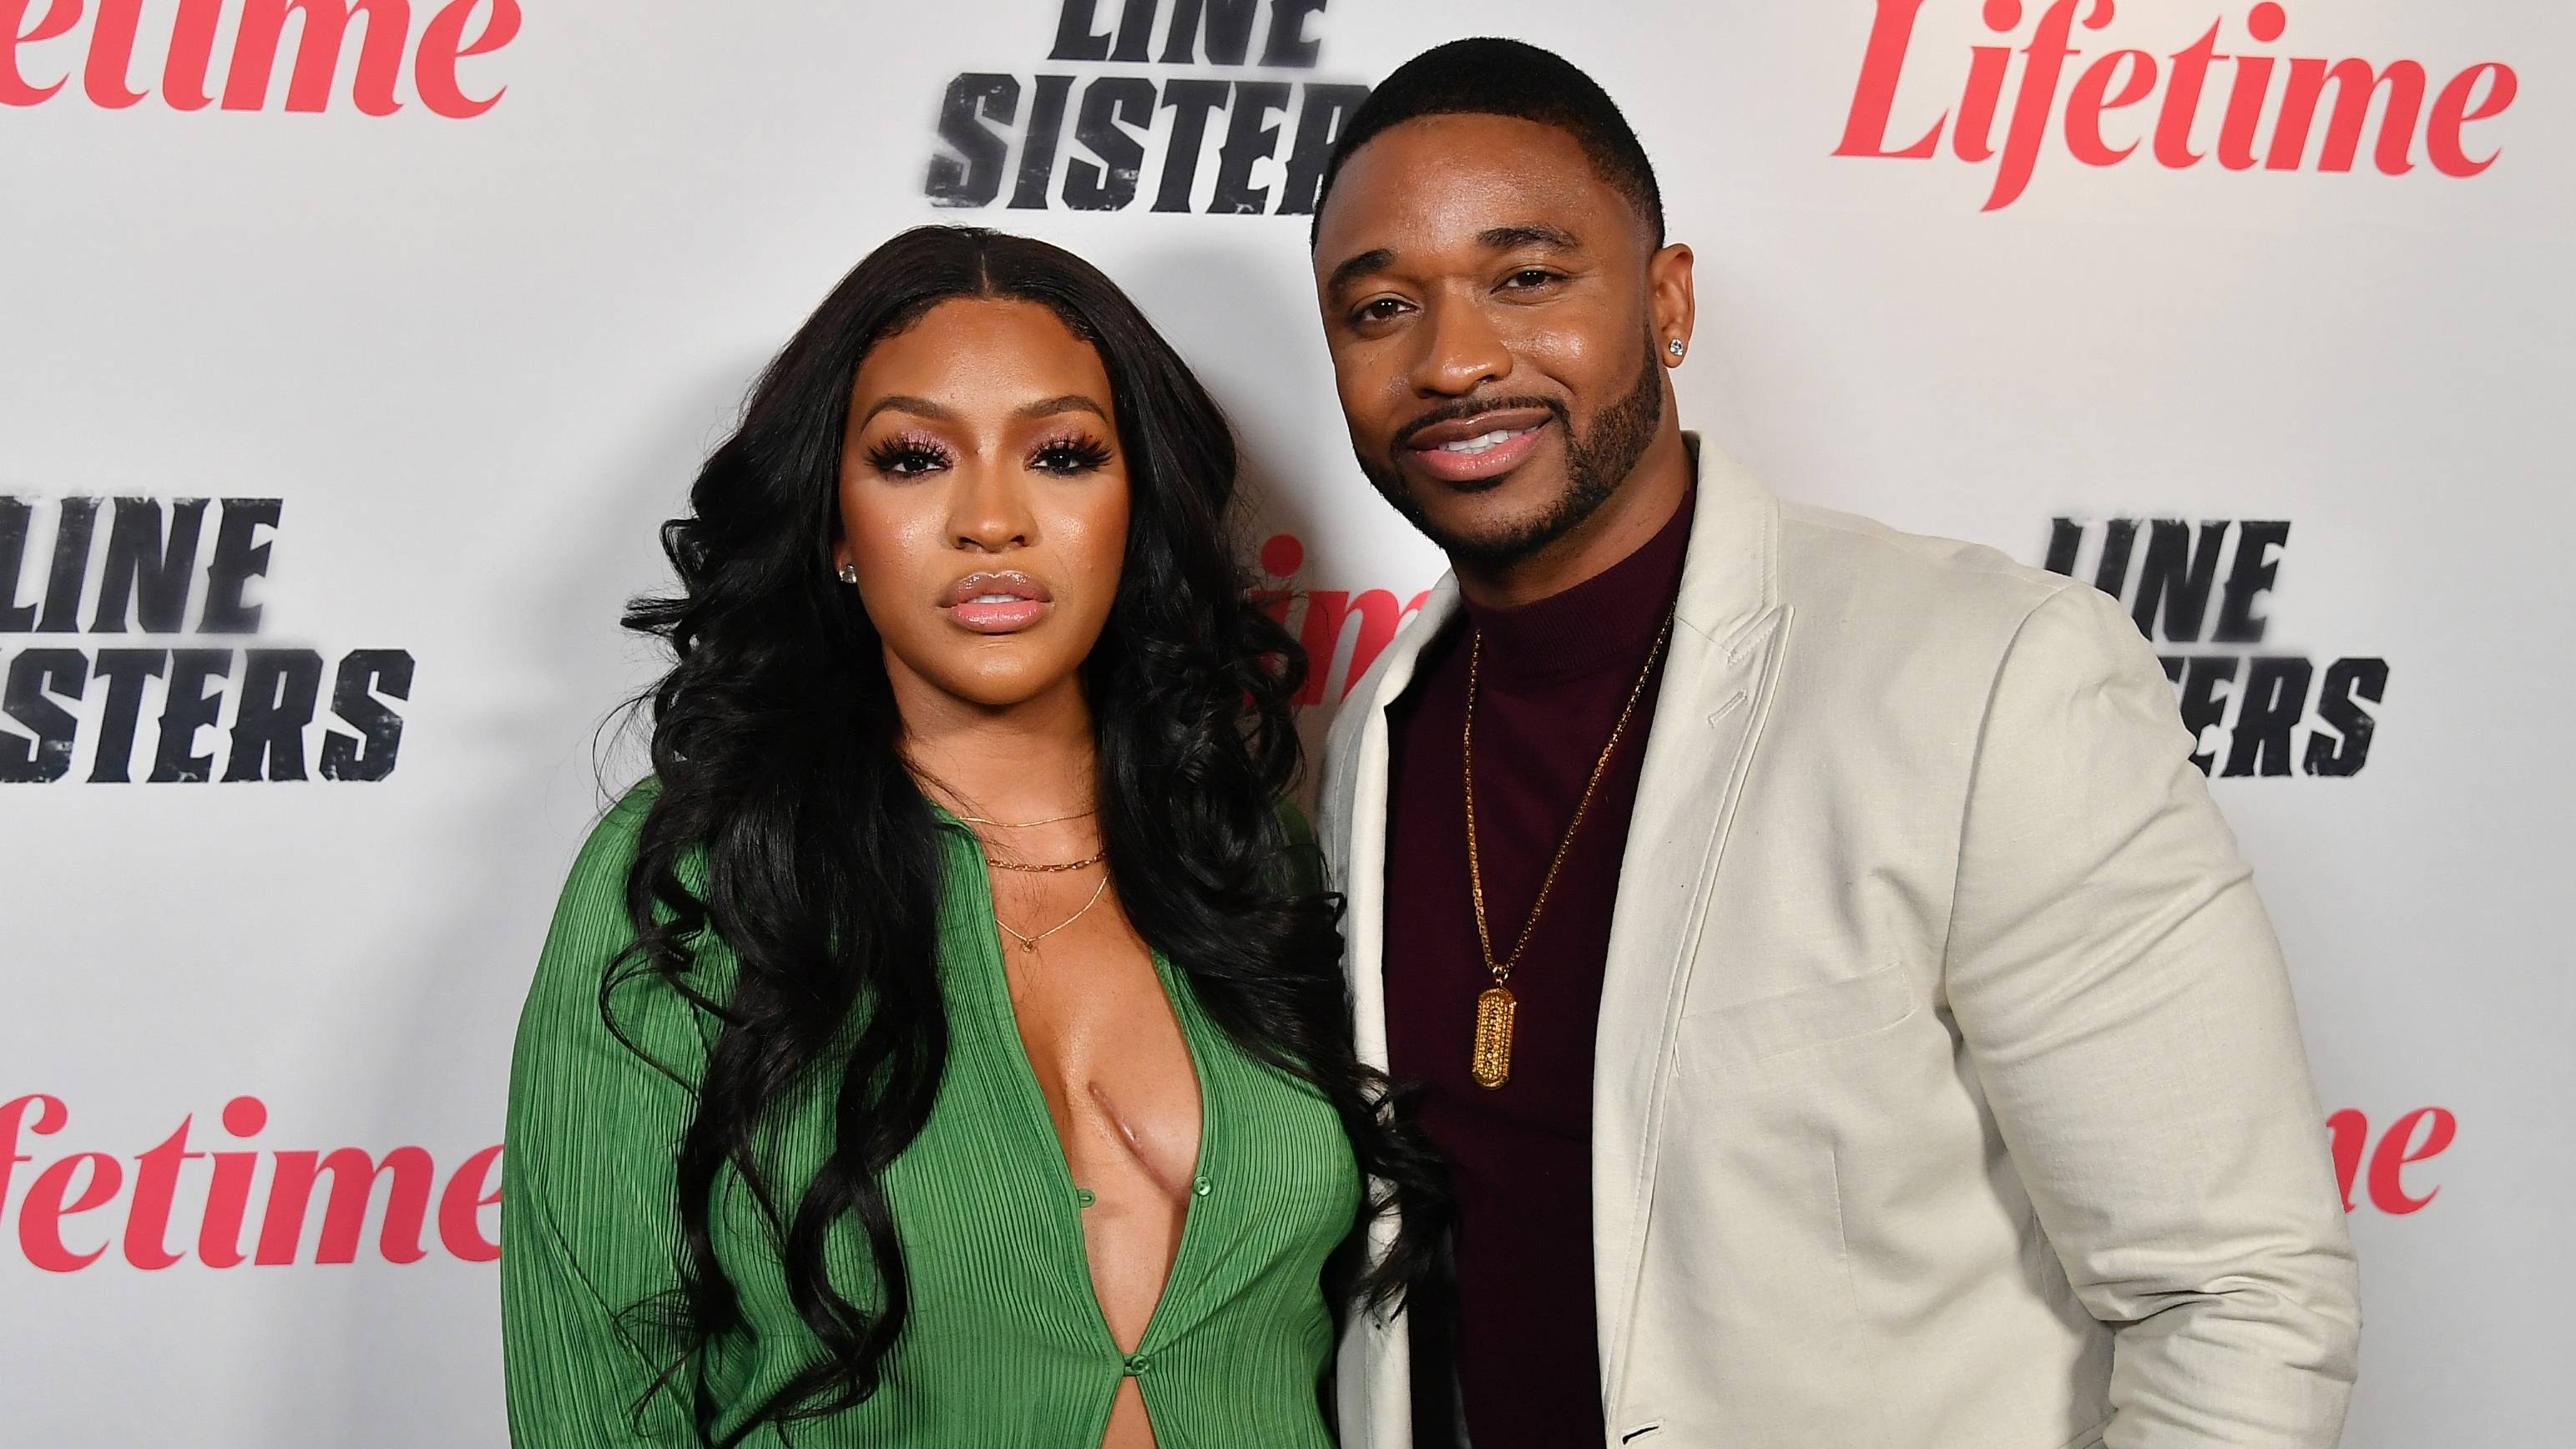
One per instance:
(350, 352)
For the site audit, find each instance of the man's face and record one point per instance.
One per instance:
(1498, 318)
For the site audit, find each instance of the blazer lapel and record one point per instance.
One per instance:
(1729, 638)
(1374, 1387)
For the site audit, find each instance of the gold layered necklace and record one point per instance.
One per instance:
(1495, 1005)
(1027, 941)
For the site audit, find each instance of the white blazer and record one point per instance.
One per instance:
(1948, 1091)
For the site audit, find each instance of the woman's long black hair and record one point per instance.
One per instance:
(788, 825)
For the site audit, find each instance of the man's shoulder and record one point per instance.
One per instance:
(1866, 574)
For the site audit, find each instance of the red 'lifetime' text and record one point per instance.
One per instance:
(2253, 131)
(40, 56)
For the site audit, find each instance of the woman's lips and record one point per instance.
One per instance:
(1479, 456)
(998, 603)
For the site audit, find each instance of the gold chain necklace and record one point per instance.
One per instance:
(1093, 858)
(1495, 1005)
(1030, 943)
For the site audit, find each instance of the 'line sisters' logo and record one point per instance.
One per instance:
(1271, 132)
(2272, 713)
(72, 704)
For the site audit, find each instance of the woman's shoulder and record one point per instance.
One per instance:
(593, 937)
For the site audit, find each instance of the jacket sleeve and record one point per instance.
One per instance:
(589, 1216)
(2121, 994)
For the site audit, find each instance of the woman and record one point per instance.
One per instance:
(946, 1045)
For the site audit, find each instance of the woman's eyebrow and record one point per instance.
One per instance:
(1071, 402)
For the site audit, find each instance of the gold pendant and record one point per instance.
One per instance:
(1492, 1064)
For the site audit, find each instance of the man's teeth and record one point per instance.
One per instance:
(1483, 441)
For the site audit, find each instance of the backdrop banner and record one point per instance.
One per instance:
(351, 351)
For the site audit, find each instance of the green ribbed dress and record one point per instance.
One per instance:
(1005, 1345)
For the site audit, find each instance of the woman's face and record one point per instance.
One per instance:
(984, 501)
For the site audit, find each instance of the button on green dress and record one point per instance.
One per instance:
(1005, 1345)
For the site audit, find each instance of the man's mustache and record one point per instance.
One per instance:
(1468, 407)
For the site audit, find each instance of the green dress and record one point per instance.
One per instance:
(1005, 1345)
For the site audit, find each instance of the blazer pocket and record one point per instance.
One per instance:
(1771, 1027)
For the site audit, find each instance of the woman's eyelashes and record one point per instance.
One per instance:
(1069, 456)
(906, 456)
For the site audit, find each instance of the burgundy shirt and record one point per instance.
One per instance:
(1510, 1337)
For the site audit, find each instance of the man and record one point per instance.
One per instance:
(1846, 1015)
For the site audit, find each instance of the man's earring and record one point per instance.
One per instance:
(849, 573)
(1674, 346)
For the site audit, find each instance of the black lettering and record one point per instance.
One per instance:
(155, 575)
(2248, 580)
(1319, 124)
(2111, 576)
(280, 689)
(369, 754)
(1289, 47)
(973, 177)
(240, 556)
(2065, 536)
(36, 678)
(1226, 24)
(1190, 102)
(2274, 698)
(2349, 683)
(1037, 151)
(15, 617)
(2179, 577)
(188, 707)
(1074, 37)
(77, 521)
(1109, 106)
(2203, 707)
(1247, 140)
(1135, 30)
(2173, 664)
(124, 670)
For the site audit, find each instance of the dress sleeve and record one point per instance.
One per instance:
(589, 1207)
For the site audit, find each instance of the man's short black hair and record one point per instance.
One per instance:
(1488, 76)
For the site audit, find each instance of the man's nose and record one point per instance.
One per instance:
(1460, 350)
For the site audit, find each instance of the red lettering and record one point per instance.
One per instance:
(2355, 83)
(111, 54)
(317, 53)
(443, 44)
(2045, 61)
(2253, 86)
(1328, 612)
(353, 1179)
(1874, 99)
(15, 90)
(2084, 108)
(50, 1117)
(1972, 138)
(2182, 99)
(40, 1220)
(156, 1181)
(219, 1236)
(2350, 1133)
(2451, 111)
(2399, 1148)
(460, 1210)
(192, 48)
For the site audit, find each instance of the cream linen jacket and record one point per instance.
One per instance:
(1949, 1093)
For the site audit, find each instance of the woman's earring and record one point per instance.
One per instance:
(849, 573)
(1675, 346)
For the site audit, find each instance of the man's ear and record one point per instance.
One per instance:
(1670, 307)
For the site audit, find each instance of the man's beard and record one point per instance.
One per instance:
(1598, 460)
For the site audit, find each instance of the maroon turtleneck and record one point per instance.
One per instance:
(1515, 1326)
